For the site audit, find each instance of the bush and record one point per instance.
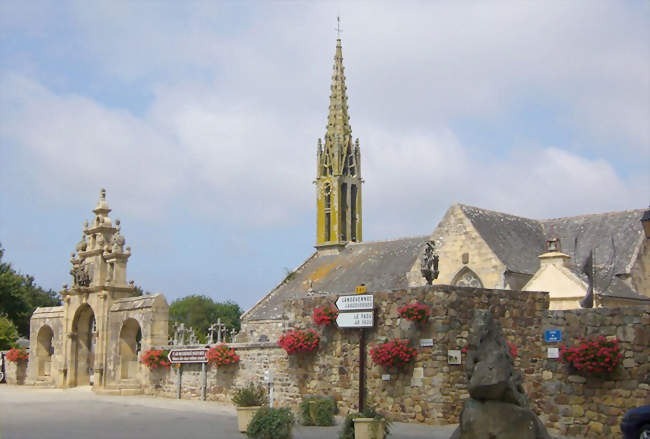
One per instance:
(594, 356)
(324, 409)
(156, 359)
(8, 332)
(222, 355)
(347, 431)
(271, 423)
(252, 395)
(298, 341)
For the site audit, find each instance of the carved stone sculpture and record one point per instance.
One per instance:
(80, 275)
(497, 407)
(430, 260)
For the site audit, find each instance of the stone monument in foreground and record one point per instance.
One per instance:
(497, 407)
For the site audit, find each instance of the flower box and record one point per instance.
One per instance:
(298, 341)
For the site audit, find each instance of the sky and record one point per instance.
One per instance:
(201, 120)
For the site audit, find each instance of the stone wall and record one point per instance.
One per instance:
(431, 390)
(593, 407)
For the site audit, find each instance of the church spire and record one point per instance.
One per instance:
(339, 173)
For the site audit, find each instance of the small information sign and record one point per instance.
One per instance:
(385, 377)
(363, 319)
(355, 303)
(360, 289)
(454, 357)
(188, 355)
(426, 342)
(553, 335)
(553, 353)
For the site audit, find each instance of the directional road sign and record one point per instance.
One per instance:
(361, 319)
(188, 355)
(355, 303)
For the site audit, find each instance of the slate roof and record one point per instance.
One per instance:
(615, 238)
(516, 241)
(380, 265)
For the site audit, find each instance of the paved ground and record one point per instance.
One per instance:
(29, 413)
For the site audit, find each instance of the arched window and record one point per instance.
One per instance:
(327, 193)
(467, 278)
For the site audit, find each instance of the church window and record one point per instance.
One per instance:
(467, 278)
(353, 213)
(352, 167)
(344, 211)
(328, 205)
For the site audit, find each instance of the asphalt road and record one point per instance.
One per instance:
(29, 413)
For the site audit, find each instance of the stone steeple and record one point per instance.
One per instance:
(338, 175)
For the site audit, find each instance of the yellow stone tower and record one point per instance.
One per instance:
(338, 177)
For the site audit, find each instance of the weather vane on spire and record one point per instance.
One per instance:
(338, 27)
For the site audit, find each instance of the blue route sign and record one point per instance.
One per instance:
(552, 335)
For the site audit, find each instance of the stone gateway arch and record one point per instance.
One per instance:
(95, 337)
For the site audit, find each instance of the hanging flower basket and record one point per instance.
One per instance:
(17, 355)
(393, 353)
(593, 356)
(415, 312)
(325, 315)
(156, 359)
(222, 355)
(298, 341)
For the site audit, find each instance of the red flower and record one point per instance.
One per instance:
(222, 355)
(415, 312)
(155, 358)
(298, 340)
(325, 315)
(17, 354)
(592, 356)
(395, 352)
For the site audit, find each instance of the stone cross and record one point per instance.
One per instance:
(219, 328)
(179, 333)
(191, 339)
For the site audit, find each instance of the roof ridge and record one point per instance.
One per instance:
(589, 215)
(496, 211)
(388, 240)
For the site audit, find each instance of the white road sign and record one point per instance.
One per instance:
(362, 319)
(354, 303)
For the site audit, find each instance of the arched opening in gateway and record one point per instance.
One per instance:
(83, 347)
(44, 351)
(130, 336)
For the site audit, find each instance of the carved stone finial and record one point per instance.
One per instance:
(102, 194)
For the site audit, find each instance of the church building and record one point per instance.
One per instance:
(476, 247)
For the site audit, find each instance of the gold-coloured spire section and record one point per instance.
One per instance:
(338, 137)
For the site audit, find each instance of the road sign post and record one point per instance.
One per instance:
(358, 312)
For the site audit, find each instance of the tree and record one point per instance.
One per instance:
(8, 333)
(20, 296)
(200, 312)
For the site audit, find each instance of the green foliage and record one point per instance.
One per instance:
(200, 312)
(20, 296)
(324, 408)
(347, 431)
(271, 423)
(8, 333)
(250, 396)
